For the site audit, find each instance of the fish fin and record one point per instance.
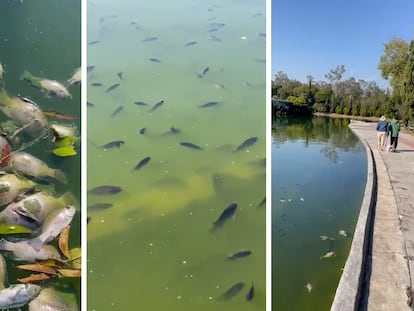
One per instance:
(60, 176)
(36, 243)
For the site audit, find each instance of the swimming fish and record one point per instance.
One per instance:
(250, 293)
(156, 106)
(106, 189)
(247, 143)
(89, 104)
(140, 103)
(232, 291)
(328, 255)
(96, 84)
(93, 42)
(142, 131)
(113, 144)
(149, 39)
(208, 104)
(191, 43)
(241, 254)
(112, 87)
(205, 70)
(99, 206)
(117, 110)
(155, 60)
(343, 233)
(142, 163)
(309, 287)
(120, 75)
(225, 215)
(190, 145)
(262, 202)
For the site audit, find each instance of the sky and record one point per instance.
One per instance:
(311, 37)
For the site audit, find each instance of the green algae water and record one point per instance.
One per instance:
(318, 179)
(44, 38)
(153, 246)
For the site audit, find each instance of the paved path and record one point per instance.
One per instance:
(390, 261)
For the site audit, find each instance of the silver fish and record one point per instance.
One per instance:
(18, 295)
(23, 251)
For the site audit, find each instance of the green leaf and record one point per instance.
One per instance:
(64, 151)
(67, 141)
(13, 229)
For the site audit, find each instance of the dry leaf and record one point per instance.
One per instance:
(63, 241)
(34, 278)
(70, 273)
(37, 268)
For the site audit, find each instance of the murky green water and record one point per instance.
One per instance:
(43, 37)
(318, 179)
(154, 242)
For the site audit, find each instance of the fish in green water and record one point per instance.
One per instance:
(18, 295)
(250, 293)
(227, 213)
(262, 202)
(112, 87)
(51, 87)
(23, 251)
(99, 206)
(142, 163)
(247, 143)
(76, 76)
(12, 186)
(156, 106)
(190, 145)
(140, 103)
(208, 104)
(232, 291)
(106, 189)
(241, 254)
(191, 43)
(328, 255)
(117, 110)
(113, 144)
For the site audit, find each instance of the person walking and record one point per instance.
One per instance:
(394, 129)
(382, 132)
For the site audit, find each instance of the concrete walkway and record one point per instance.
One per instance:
(390, 259)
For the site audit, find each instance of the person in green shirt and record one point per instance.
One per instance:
(394, 130)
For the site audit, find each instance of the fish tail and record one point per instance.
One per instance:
(60, 176)
(34, 81)
(68, 198)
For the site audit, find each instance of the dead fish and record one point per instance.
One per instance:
(262, 202)
(106, 189)
(140, 104)
(155, 60)
(89, 104)
(27, 100)
(120, 75)
(93, 42)
(247, 143)
(149, 39)
(232, 291)
(90, 68)
(156, 106)
(241, 254)
(113, 144)
(190, 145)
(117, 110)
(142, 131)
(250, 293)
(328, 255)
(99, 206)
(191, 43)
(96, 84)
(142, 163)
(205, 70)
(112, 87)
(225, 215)
(309, 287)
(208, 104)
(343, 233)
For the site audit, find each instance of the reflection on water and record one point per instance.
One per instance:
(318, 180)
(174, 89)
(43, 37)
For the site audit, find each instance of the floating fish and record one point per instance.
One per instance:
(149, 39)
(247, 143)
(190, 145)
(343, 233)
(309, 287)
(205, 70)
(142, 131)
(302, 199)
(76, 76)
(18, 295)
(156, 106)
(191, 43)
(328, 255)
(106, 189)
(225, 215)
(155, 60)
(112, 87)
(232, 291)
(113, 144)
(140, 104)
(99, 206)
(208, 104)
(217, 25)
(241, 254)
(96, 84)
(250, 293)
(93, 42)
(120, 75)
(142, 163)
(117, 110)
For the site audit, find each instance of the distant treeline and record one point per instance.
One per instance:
(357, 97)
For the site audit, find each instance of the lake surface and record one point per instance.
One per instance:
(43, 37)
(318, 179)
(156, 241)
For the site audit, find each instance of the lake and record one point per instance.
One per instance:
(318, 179)
(43, 37)
(179, 88)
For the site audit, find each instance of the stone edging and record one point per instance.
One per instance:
(348, 293)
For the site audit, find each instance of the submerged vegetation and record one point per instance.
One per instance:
(355, 96)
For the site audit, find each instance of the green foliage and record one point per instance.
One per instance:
(346, 111)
